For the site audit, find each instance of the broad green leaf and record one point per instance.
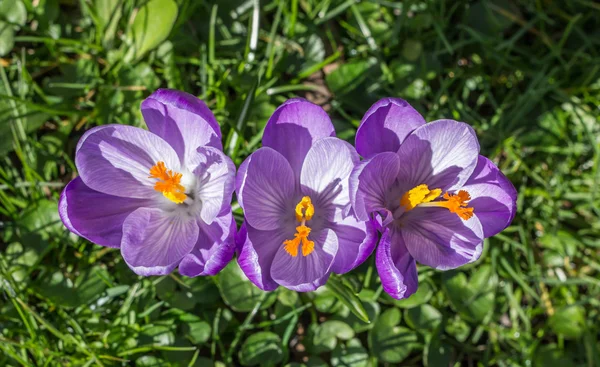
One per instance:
(353, 354)
(327, 333)
(287, 297)
(389, 342)
(423, 318)
(158, 335)
(262, 348)
(107, 10)
(42, 218)
(422, 295)
(108, 14)
(349, 76)
(7, 39)
(238, 292)
(13, 11)
(348, 298)
(196, 330)
(90, 284)
(151, 26)
(437, 352)
(151, 361)
(568, 321)
(473, 298)
(551, 355)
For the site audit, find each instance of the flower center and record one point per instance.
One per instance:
(168, 183)
(304, 211)
(422, 196)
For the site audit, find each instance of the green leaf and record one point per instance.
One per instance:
(41, 217)
(196, 330)
(7, 39)
(157, 334)
(287, 297)
(473, 298)
(57, 289)
(106, 10)
(151, 26)
(422, 295)
(551, 355)
(423, 318)
(13, 11)
(151, 361)
(353, 354)
(348, 298)
(568, 321)
(437, 352)
(90, 284)
(262, 348)
(327, 333)
(238, 292)
(349, 76)
(389, 342)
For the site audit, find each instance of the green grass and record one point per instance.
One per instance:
(524, 74)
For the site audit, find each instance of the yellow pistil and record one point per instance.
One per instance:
(422, 196)
(168, 183)
(304, 211)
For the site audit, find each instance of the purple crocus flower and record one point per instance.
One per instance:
(299, 226)
(434, 196)
(162, 196)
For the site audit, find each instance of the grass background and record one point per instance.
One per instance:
(524, 74)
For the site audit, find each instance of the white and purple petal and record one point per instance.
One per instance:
(116, 160)
(257, 250)
(266, 189)
(306, 273)
(385, 126)
(440, 239)
(213, 250)
(294, 127)
(326, 171)
(370, 183)
(154, 242)
(441, 154)
(182, 120)
(493, 197)
(96, 216)
(396, 267)
(215, 178)
(356, 241)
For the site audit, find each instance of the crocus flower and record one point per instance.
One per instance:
(162, 196)
(434, 196)
(299, 226)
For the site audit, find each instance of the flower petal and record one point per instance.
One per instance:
(266, 189)
(356, 240)
(395, 265)
(441, 239)
(214, 248)
(441, 154)
(326, 170)
(154, 242)
(493, 197)
(257, 252)
(96, 216)
(116, 160)
(371, 181)
(182, 120)
(294, 127)
(215, 175)
(306, 273)
(385, 126)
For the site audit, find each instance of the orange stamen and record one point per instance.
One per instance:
(422, 196)
(168, 183)
(304, 211)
